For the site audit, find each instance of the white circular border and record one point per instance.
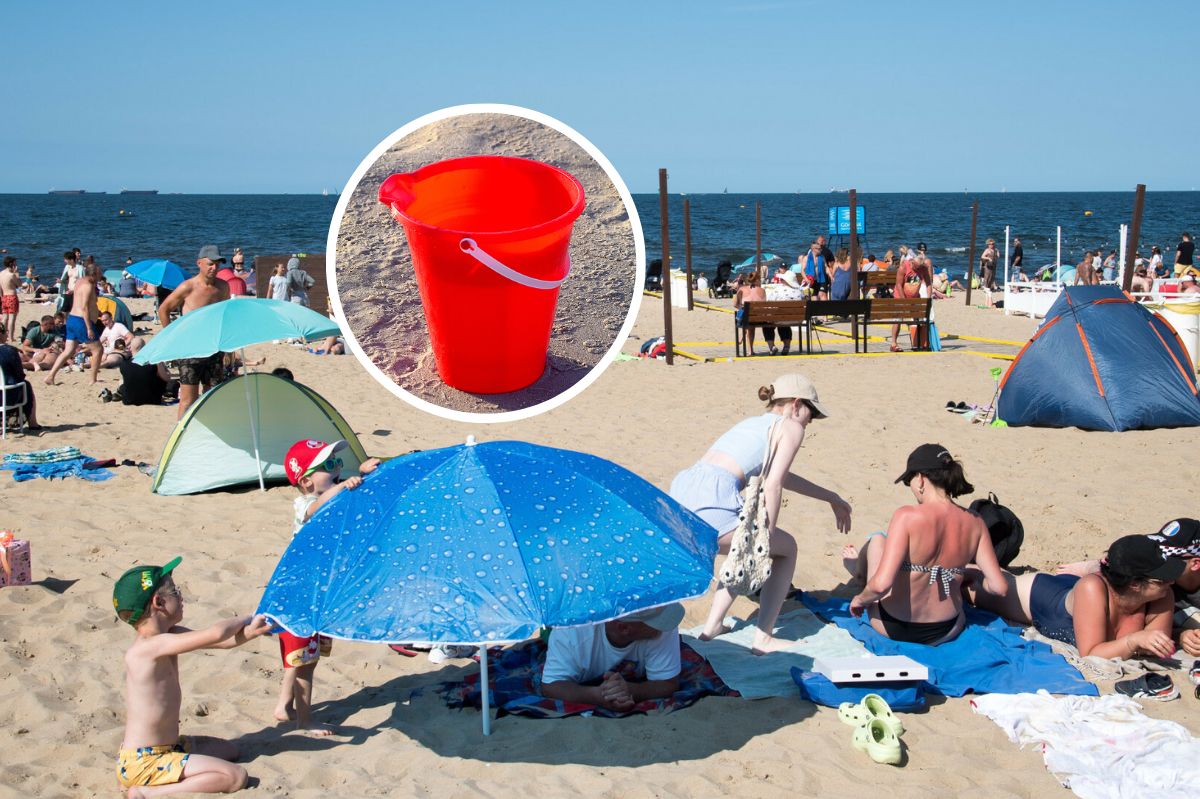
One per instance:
(639, 259)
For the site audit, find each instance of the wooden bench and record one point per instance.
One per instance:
(854, 309)
(911, 312)
(877, 280)
(782, 313)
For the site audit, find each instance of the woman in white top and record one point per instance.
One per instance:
(711, 489)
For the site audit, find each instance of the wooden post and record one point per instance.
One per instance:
(854, 257)
(1135, 234)
(758, 241)
(971, 255)
(666, 259)
(687, 248)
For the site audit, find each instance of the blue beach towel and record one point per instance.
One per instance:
(989, 657)
(56, 470)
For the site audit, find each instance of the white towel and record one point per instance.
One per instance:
(1101, 747)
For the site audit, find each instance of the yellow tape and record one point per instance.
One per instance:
(695, 304)
(984, 340)
(689, 355)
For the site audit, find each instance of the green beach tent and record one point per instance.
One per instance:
(214, 444)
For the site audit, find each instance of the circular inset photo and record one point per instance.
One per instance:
(487, 262)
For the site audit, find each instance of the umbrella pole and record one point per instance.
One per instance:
(262, 486)
(487, 693)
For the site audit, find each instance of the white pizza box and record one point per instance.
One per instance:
(886, 668)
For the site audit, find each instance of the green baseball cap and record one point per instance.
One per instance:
(133, 589)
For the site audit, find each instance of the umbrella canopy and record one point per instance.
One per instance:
(230, 326)
(487, 543)
(158, 272)
(751, 263)
(114, 276)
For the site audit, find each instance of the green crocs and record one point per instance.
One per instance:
(880, 743)
(871, 706)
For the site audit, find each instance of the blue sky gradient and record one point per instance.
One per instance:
(753, 96)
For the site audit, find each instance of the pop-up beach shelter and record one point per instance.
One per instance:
(120, 313)
(213, 444)
(1101, 362)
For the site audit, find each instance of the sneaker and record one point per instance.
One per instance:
(1194, 673)
(880, 743)
(1157, 687)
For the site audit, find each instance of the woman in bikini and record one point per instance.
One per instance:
(930, 543)
(711, 488)
(1124, 611)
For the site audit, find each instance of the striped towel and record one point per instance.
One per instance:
(44, 455)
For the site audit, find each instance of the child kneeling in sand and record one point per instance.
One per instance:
(311, 466)
(155, 759)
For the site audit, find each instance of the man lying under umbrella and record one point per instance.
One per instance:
(618, 663)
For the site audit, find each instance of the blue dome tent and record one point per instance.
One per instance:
(1101, 362)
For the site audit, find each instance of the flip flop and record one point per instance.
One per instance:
(896, 349)
(401, 649)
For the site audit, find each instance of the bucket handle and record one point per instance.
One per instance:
(472, 249)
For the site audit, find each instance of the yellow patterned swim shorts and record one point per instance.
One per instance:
(153, 765)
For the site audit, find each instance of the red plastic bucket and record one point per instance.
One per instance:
(489, 237)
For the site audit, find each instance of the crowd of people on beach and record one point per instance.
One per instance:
(79, 336)
(915, 579)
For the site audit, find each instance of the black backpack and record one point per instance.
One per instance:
(1003, 526)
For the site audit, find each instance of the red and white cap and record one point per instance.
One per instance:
(303, 454)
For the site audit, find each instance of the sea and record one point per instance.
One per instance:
(38, 228)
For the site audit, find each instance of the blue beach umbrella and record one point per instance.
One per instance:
(158, 272)
(233, 325)
(485, 544)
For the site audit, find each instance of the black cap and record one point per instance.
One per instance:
(1138, 557)
(1179, 538)
(925, 458)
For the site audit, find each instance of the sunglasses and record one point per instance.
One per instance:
(330, 465)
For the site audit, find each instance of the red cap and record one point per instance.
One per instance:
(303, 454)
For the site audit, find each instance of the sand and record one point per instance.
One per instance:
(377, 286)
(60, 660)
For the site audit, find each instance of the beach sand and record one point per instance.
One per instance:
(61, 659)
(377, 285)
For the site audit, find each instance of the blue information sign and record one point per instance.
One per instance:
(839, 220)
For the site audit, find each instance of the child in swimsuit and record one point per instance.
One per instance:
(153, 752)
(313, 467)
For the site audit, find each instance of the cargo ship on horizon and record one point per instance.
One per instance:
(139, 191)
(75, 191)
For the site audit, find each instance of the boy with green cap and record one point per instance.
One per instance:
(155, 759)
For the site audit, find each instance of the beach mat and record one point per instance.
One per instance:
(989, 656)
(756, 676)
(56, 470)
(515, 677)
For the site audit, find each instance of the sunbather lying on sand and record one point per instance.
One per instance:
(1124, 611)
(1178, 538)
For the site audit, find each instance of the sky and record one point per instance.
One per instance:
(755, 96)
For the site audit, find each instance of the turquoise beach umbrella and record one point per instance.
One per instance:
(158, 272)
(233, 325)
(750, 263)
